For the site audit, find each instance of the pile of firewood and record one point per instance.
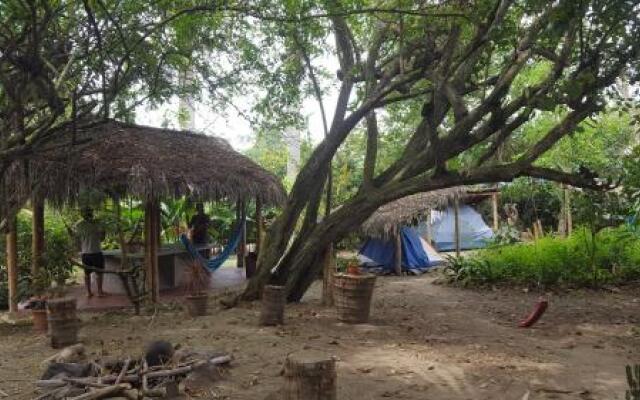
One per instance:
(160, 373)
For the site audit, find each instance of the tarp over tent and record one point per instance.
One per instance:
(378, 255)
(474, 232)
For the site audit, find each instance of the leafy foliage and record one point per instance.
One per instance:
(56, 266)
(584, 259)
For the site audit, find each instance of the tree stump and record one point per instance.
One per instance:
(273, 301)
(63, 322)
(309, 376)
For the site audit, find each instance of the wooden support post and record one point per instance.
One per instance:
(494, 203)
(240, 251)
(429, 234)
(456, 215)
(244, 232)
(328, 269)
(12, 264)
(309, 375)
(243, 240)
(259, 224)
(151, 237)
(37, 234)
(157, 227)
(398, 248)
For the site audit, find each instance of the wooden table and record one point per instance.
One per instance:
(173, 260)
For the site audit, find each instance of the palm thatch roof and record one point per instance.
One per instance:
(407, 209)
(145, 162)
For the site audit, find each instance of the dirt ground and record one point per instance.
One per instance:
(425, 341)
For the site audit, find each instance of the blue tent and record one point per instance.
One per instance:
(474, 232)
(378, 255)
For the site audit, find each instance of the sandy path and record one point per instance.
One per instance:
(425, 341)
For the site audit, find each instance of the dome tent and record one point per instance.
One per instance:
(474, 232)
(378, 254)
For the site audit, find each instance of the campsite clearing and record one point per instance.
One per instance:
(424, 341)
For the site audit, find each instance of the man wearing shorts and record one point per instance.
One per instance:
(90, 234)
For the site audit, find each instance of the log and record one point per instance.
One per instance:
(123, 371)
(273, 301)
(84, 383)
(73, 353)
(145, 382)
(176, 371)
(102, 393)
(309, 375)
(221, 360)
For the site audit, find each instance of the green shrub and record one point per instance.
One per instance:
(56, 266)
(611, 256)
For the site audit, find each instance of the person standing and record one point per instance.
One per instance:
(90, 234)
(199, 226)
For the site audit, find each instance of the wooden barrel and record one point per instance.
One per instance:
(197, 305)
(309, 375)
(63, 322)
(352, 297)
(273, 301)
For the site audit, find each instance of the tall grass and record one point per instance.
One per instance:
(584, 259)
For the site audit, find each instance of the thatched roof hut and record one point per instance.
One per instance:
(148, 163)
(407, 209)
(123, 159)
(415, 207)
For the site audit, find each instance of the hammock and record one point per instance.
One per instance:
(216, 262)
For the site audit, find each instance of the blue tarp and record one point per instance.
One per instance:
(474, 232)
(378, 254)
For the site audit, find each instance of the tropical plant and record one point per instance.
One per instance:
(583, 259)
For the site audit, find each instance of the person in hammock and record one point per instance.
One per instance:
(199, 226)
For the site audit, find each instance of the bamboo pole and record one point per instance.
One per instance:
(37, 234)
(494, 203)
(456, 215)
(398, 254)
(12, 264)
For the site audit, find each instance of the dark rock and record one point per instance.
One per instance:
(158, 352)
